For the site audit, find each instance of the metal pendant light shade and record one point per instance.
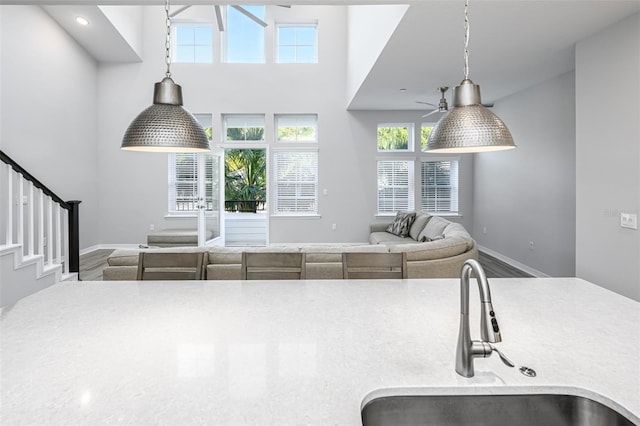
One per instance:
(469, 126)
(166, 126)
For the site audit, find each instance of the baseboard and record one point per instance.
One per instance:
(529, 270)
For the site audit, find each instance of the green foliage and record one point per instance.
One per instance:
(209, 132)
(393, 138)
(294, 133)
(425, 132)
(245, 174)
(245, 134)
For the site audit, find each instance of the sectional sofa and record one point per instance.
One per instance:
(444, 248)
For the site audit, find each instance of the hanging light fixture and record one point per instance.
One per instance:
(469, 126)
(166, 126)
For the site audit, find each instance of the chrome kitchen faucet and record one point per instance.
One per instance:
(468, 349)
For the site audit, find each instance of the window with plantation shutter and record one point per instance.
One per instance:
(183, 183)
(183, 177)
(295, 182)
(395, 186)
(439, 186)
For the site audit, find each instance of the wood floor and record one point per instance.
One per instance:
(92, 264)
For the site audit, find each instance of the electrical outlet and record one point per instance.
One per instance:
(629, 220)
(532, 246)
(152, 227)
(334, 226)
(484, 230)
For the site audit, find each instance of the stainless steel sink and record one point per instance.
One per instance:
(493, 410)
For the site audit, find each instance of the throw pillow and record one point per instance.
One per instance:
(426, 239)
(401, 224)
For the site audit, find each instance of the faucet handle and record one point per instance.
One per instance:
(502, 356)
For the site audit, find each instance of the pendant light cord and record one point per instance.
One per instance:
(466, 40)
(167, 44)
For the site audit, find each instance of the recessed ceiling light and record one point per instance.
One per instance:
(82, 21)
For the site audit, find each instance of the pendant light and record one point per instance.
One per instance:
(166, 126)
(469, 126)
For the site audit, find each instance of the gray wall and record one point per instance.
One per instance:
(608, 157)
(528, 194)
(49, 122)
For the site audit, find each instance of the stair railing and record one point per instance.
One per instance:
(36, 219)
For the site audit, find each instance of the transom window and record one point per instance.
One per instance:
(395, 137)
(244, 36)
(193, 43)
(244, 127)
(297, 43)
(297, 128)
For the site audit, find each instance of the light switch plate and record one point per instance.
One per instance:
(629, 220)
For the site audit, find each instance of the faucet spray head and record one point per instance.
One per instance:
(489, 329)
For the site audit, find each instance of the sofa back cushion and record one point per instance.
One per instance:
(434, 227)
(418, 224)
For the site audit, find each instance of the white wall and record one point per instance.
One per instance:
(608, 156)
(48, 96)
(133, 186)
(369, 28)
(528, 194)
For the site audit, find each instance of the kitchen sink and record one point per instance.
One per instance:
(494, 410)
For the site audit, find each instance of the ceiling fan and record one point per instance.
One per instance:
(442, 106)
(219, 19)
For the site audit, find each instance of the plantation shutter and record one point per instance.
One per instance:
(395, 186)
(439, 186)
(296, 182)
(183, 187)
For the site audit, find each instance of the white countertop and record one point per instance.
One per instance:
(299, 352)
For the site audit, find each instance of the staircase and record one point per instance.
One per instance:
(39, 243)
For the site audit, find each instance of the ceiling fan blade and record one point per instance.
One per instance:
(179, 11)
(249, 15)
(427, 103)
(288, 6)
(219, 17)
(432, 112)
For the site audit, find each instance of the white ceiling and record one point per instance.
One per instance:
(514, 44)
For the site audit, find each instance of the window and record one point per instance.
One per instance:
(296, 182)
(183, 177)
(439, 186)
(244, 36)
(297, 128)
(395, 137)
(297, 44)
(244, 127)
(193, 43)
(425, 132)
(395, 186)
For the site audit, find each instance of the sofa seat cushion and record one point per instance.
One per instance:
(384, 237)
(447, 247)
